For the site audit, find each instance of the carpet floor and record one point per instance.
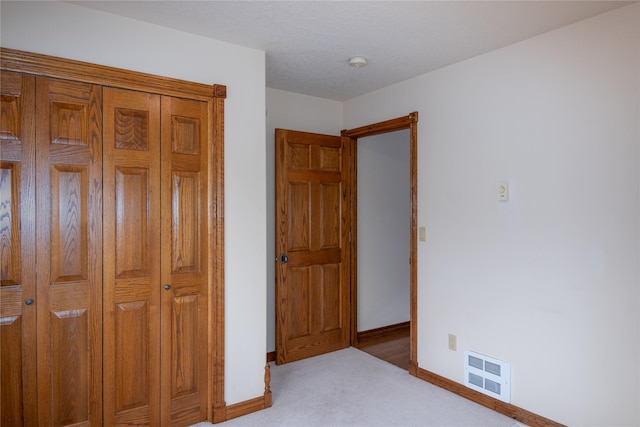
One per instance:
(352, 388)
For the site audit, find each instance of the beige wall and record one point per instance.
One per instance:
(549, 280)
(76, 32)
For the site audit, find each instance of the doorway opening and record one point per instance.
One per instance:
(316, 215)
(391, 339)
(383, 236)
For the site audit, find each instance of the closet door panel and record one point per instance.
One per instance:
(69, 252)
(17, 250)
(184, 267)
(132, 258)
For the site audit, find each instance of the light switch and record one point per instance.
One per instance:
(503, 191)
(453, 342)
(422, 232)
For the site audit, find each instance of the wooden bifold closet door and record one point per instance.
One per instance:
(105, 226)
(131, 258)
(69, 251)
(18, 256)
(51, 309)
(155, 331)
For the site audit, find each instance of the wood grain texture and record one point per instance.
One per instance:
(18, 387)
(17, 250)
(393, 348)
(216, 410)
(132, 284)
(70, 381)
(529, 418)
(247, 407)
(33, 63)
(184, 268)
(383, 333)
(73, 145)
(407, 122)
(413, 257)
(225, 413)
(386, 126)
(312, 207)
(133, 362)
(11, 346)
(353, 217)
(69, 254)
(267, 386)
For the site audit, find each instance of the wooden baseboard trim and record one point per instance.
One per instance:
(518, 414)
(244, 408)
(271, 356)
(383, 333)
(247, 407)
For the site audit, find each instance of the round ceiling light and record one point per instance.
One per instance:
(358, 61)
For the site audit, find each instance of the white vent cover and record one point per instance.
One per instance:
(487, 375)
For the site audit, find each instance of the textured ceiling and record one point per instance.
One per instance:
(308, 43)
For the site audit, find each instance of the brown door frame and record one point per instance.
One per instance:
(406, 122)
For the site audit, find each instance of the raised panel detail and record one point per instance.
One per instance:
(185, 220)
(185, 135)
(131, 129)
(68, 124)
(184, 352)
(9, 224)
(299, 323)
(132, 355)
(299, 215)
(330, 211)
(69, 249)
(10, 117)
(132, 193)
(69, 367)
(330, 298)
(131, 268)
(298, 156)
(18, 328)
(330, 159)
(11, 356)
(311, 217)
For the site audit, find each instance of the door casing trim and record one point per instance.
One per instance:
(406, 122)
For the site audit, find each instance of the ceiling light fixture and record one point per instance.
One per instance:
(357, 61)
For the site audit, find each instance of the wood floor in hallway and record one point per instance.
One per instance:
(393, 349)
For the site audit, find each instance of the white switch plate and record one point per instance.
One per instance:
(453, 342)
(422, 234)
(503, 191)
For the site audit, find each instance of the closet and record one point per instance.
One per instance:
(110, 236)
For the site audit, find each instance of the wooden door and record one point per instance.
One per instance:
(156, 276)
(184, 251)
(312, 232)
(17, 251)
(132, 284)
(69, 252)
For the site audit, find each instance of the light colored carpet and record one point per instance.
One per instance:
(351, 388)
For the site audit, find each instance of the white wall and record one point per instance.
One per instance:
(384, 226)
(288, 110)
(79, 33)
(549, 280)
